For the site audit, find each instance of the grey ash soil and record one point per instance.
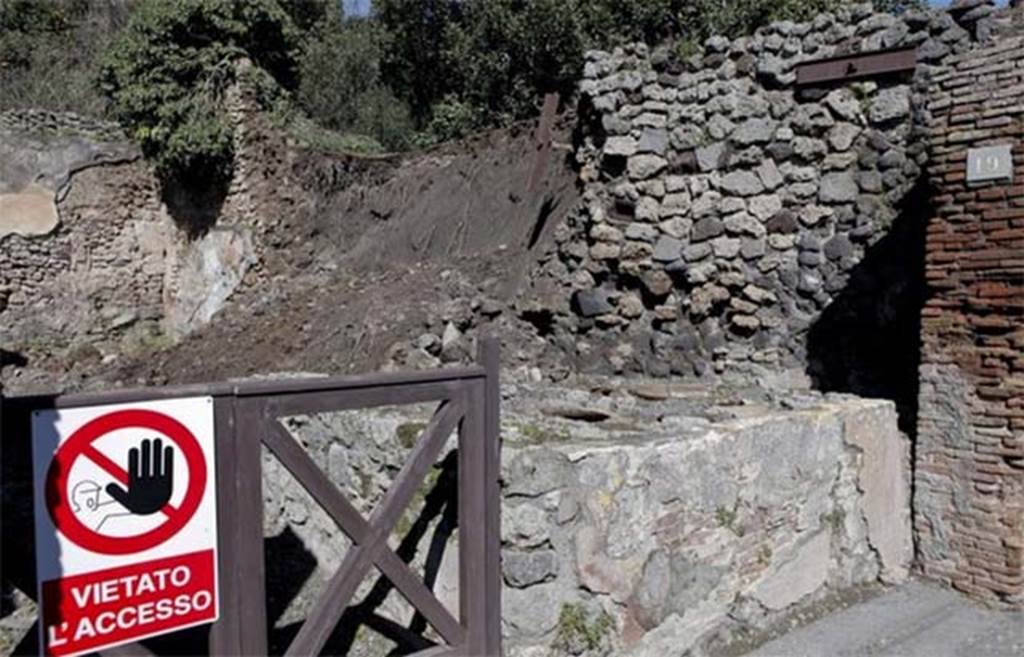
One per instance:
(337, 325)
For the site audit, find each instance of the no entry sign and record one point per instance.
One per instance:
(125, 522)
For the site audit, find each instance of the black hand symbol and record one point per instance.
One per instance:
(150, 484)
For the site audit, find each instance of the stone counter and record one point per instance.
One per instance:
(637, 521)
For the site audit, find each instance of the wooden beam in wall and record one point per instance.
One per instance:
(852, 67)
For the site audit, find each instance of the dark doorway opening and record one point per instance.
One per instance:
(868, 340)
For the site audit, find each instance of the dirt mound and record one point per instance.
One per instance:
(462, 199)
(429, 247)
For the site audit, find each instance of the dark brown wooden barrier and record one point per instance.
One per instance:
(247, 417)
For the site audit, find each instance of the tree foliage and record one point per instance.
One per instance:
(167, 73)
(498, 57)
(532, 48)
(414, 72)
(50, 52)
(341, 83)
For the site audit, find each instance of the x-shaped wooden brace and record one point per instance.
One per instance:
(369, 537)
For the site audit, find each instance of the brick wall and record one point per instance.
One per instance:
(969, 475)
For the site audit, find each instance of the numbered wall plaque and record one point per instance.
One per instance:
(990, 163)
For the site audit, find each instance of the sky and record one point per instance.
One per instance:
(945, 3)
(356, 7)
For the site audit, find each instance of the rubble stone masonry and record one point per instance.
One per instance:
(969, 474)
(734, 221)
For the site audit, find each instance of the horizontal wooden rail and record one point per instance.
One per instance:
(856, 66)
(256, 388)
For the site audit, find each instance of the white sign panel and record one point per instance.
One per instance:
(125, 522)
(990, 163)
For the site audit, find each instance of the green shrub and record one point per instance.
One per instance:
(416, 38)
(382, 116)
(704, 18)
(505, 54)
(452, 118)
(167, 73)
(415, 72)
(339, 62)
(577, 632)
(50, 52)
(311, 134)
(341, 84)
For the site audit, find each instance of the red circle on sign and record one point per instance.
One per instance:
(82, 440)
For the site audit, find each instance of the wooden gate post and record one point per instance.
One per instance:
(250, 425)
(480, 511)
(226, 633)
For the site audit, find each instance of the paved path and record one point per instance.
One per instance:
(913, 620)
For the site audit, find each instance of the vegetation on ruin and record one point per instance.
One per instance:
(577, 631)
(167, 73)
(409, 432)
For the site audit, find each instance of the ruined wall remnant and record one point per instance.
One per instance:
(95, 266)
(93, 261)
(732, 219)
(969, 475)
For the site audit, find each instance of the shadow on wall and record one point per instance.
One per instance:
(289, 564)
(18, 563)
(868, 340)
(194, 203)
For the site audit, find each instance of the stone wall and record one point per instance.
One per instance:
(733, 220)
(45, 122)
(670, 516)
(638, 519)
(969, 476)
(97, 269)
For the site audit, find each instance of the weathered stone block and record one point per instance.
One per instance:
(667, 249)
(743, 183)
(642, 167)
(710, 157)
(769, 174)
(754, 131)
(707, 228)
(883, 476)
(842, 135)
(653, 140)
(890, 104)
(523, 569)
(803, 572)
(838, 188)
(590, 303)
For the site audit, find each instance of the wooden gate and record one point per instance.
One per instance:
(247, 417)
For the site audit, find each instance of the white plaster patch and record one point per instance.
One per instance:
(800, 575)
(31, 211)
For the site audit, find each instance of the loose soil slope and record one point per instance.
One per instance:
(402, 248)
